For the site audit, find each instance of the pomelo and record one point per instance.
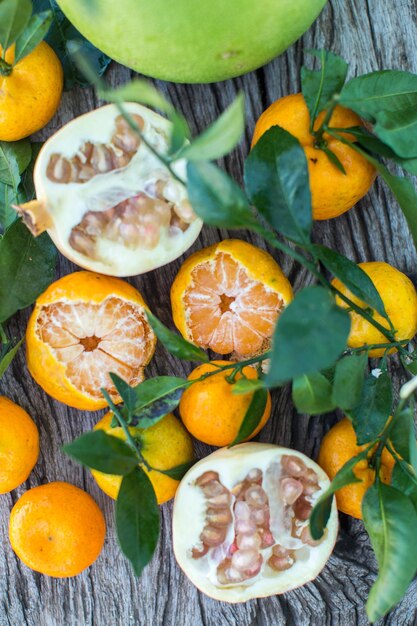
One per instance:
(189, 40)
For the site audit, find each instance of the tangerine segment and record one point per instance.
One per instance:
(84, 327)
(228, 298)
(57, 529)
(19, 445)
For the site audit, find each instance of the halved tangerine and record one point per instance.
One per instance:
(83, 327)
(228, 297)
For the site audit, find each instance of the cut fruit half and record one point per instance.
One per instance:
(107, 202)
(240, 524)
(228, 298)
(83, 327)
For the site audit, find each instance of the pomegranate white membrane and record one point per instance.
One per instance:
(240, 523)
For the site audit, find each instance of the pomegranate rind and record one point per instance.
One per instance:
(264, 270)
(42, 363)
(66, 203)
(232, 465)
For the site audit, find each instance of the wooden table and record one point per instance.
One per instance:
(371, 34)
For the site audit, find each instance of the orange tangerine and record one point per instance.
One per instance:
(83, 327)
(228, 297)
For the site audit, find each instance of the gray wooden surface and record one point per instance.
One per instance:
(371, 34)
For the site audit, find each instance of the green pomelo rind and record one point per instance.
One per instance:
(192, 40)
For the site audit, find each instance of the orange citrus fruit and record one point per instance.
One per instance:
(228, 297)
(332, 192)
(57, 529)
(83, 327)
(164, 446)
(210, 410)
(337, 448)
(19, 445)
(400, 300)
(30, 95)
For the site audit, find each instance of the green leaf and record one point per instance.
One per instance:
(177, 472)
(175, 344)
(14, 15)
(333, 159)
(374, 408)
(387, 99)
(375, 146)
(312, 394)
(252, 416)
(8, 197)
(216, 198)
(179, 134)
(402, 188)
(276, 179)
(15, 157)
(137, 519)
(221, 137)
(103, 452)
(138, 90)
(352, 276)
(33, 34)
(403, 437)
(60, 34)
(321, 511)
(27, 267)
(156, 397)
(247, 385)
(349, 380)
(319, 87)
(7, 355)
(310, 335)
(126, 392)
(402, 481)
(390, 520)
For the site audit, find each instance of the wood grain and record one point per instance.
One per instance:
(371, 34)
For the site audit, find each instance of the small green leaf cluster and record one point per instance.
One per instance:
(27, 265)
(309, 345)
(18, 26)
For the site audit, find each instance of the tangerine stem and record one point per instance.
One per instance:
(5, 68)
(372, 346)
(130, 440)
(318, 134)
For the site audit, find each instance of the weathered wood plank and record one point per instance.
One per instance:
(371, 34)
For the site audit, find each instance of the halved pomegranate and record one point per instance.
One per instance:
(240, 525)
(107, 202)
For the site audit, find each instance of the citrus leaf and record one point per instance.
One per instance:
(175, 344)
(402, 188)
(216, 198)
(375, 146)
(126, 392)
(349, 380)
(277, 183)
(177, 472)
(221, 137)
(252, 416)
(27, 267)
(333, 159)
(388, 99)
(8, 197)
(156, 397)
(14, 15)
(390, 520)
(137, 90)
(15, 157)
(401, 480)
(33, 34)
(352, 276)
(179, 134)
(369, 416)
(319, 87)
(60, 34)
(247, 385)
(137, 519)
(103, 452)
(321, 511)
(403, 438)
(310, 335)
(8, 354)
(312, 394)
